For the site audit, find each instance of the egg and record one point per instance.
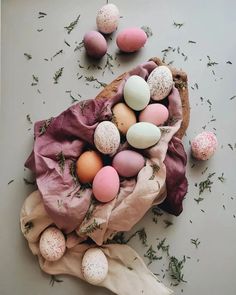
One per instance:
(94, 266)
(123, 117)
(128, 163)
(95, 44)
(136, 93)
(52, 244)
(160, 82)
(107, 137)
(131, 39)
(143, 135)
(106, 184)
(88, 165)
(155, 113)
(108, 18)
(204, 145)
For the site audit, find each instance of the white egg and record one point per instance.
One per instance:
(107, 137)
(143, 135)
(94, 266)
(108, 18)
(160, 82)
(136, 93)
(52, 244)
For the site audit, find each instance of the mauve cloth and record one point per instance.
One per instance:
(127, 273)
(64, 200)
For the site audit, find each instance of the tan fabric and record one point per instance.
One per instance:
(127, 272)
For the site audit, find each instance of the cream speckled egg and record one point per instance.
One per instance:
(94, 266)
(160, 82)
(52, 244)
(108, 18)
(107, 137)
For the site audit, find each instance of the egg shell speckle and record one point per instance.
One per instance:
(107, 137)
(52, 244)
(160, 82)
(204, 145)
(108, 18)
(94, 266)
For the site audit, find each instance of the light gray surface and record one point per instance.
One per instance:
(212, 267)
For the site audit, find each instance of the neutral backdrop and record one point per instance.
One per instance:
(210, 268)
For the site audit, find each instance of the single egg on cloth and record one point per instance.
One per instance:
(143, 135)
(108, 18)
(128, 163)
(95, 44)
(106, 184)
(204, 145)
(94, 266)
(131, 39)
(88, 165)
(160, 82)
(155, 113)
(107, 137)
(136, 93)
(52, 244)
(123, 117)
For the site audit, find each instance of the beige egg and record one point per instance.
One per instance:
(123, 117)
(94, 266)
(108, 18)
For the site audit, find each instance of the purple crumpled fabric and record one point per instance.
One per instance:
(58, 143)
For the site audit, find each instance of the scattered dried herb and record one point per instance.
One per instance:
(57, 53)
(206, 184)
(195, 242)
(39, 30)
(92, 79)
(61, 161)
(91, 228)
(230, 146)
(119, 238)
(155, 169)
(79, 46)
(221, 178)
(151, 255)
(73, 99)
(142, 236)
(73, 173)
(9, 182)
(167, 223)
(27, 227)
(109, 63)
(29, 119)
(44, 127)
(232, 97)
(29, 182)
(192, 42)
(54, 279)
(163, 247)
(178, 25)
(72, 25)
(66, 43)
(175, 269)
(57, 75)
(198, 200)
(229, 62)
(91, 209)
(42, 14)
(147, 30)
(156, 213)
(28, 56)
(210, 62)
(35, 80)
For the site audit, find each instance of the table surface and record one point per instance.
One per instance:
(209, 268)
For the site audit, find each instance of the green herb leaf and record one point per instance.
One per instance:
(9, 182)
(54, 279)
(42, 14)
(176, 268)
(163, 247)
(28, 56)
(206, 184)
(151, 255)
(72, 25)
(29, 119)
(195, 242)
(57, 75)
(44, 127)
(198, 200)
(178, 25)
(61, 161)
(90, 228)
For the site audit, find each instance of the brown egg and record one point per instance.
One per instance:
(87, 166)
(123, 117)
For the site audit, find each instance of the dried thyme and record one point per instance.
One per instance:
(167, 223)
(42, 14)
(28, 226)
(156, 213)
(73, 99)
(44, 127)
(142, 236)
(155, 169)
(109, 63)
(195, 242)
(35, 80)
(221, 178)
(92, 79)
(54, 279)
(229, 62)
(57, 75)
(28, 56)
(198, 200)
(91, 228)
(39, 30)
(147, 30)
(206, 184)
(178, 25)
(151, 255)
(9, 182)
(66, 43)
(72, 25)
(211, 63)
(175, 269)
(57, 53)
(232, 97)
(192, 42)
(29, 119)
(61, 161)
(79, 46)
(163, 247)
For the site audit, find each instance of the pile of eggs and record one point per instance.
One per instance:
(128, 40)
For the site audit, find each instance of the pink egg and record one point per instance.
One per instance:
(204, 145)
(131, 39)
(128, 163)
(106, 184)
(95, 44)
(52, 244)
(155, 113)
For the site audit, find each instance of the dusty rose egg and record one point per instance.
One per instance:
(204, 145)
(128, 163)
(106, 184)
(52, 244)
(108, 18)
(131, 39)
(95, 44)
(155, 113)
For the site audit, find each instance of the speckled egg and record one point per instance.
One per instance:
(123, 117)
(52, 244)
(95, 44)
(136, 93)
(107, 137)
(155, 113)
(106, 184)
(108, 18)
(94, 266)
(131, 39)
(128, 163)
(204, 145)
(160, 82)
(143, 135)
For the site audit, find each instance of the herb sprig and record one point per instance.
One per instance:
(72, 25)
(28, 56)
(195, 242)
(151, 255)
(57, 75)
(175, 269)
(61, 161)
